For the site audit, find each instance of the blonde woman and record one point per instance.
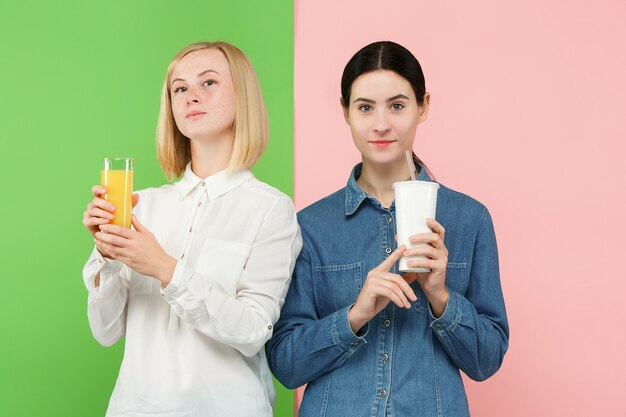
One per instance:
(197, 285)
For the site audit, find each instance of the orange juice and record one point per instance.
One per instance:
(119, 184)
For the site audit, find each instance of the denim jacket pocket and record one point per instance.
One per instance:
(222, 263)
(455, 280)
(337, 286)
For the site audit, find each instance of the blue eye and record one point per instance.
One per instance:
(180, 89)
(397, 106)
(365, 108)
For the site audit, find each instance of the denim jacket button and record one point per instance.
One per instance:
(389, 219)
(382, 393)
(387, 323)
(385, 357)
(438, 326)
(387, 250)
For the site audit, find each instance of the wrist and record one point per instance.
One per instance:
(438, 301)
(166, 270)
(356, 320)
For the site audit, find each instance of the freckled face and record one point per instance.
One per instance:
(203, 95)
(383, 115)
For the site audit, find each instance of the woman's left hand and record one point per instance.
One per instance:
(138, 249)
(435, 255)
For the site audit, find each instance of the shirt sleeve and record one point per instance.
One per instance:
(474, 329)
(245, 320)
(106, 304)
(305, 346)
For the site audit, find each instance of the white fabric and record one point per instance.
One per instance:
(195, 348)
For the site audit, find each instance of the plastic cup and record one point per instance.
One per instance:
(415, 202)
(117, 176)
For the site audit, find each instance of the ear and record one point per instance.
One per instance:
(424, 107)
(346, 116)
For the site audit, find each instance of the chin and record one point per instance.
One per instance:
(383, 157)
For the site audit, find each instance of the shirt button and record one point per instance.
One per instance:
(388, 219)
(199, 203)
(438, 326)
(388, 250)
(382, 393)
(203, 184)
(190, 229)
(385, 357)
(182, 256)
(387, 323)
(269, 327)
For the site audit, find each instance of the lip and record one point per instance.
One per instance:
(382, 143)
(193, 115)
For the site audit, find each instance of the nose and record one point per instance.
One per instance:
(381, 124)
(192, 96)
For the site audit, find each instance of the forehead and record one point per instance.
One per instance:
(197, 61)
(381, 84)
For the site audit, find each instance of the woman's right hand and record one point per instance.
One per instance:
(99, 212)
(380, 287)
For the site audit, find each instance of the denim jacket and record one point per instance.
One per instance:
(404, 362)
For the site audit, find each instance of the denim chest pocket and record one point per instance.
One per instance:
(456, 280)
(337, 286)
(222, 262)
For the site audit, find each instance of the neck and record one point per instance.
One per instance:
(210, 156)
(377, 179)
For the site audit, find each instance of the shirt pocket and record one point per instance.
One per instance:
(456, 280)
(337, 286)
(222, 263)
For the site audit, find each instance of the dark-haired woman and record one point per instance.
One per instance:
(366, 340)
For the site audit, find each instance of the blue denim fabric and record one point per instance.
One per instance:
(404, 362)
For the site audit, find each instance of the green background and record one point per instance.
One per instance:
(81, 80)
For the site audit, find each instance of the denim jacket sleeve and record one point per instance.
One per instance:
(304, 345)
(473, 329)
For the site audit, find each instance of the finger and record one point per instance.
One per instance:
(393, 296)
(101, 203)
(401, 283)
(138, 226)
(398, 291)
(98, 190)
(423, 250)
(388, 263)
(98, 212)
(430, 238)
(94, 221)
(135, 199)
(116, 230)
(111, 239)
(436, 227)
(425, 263)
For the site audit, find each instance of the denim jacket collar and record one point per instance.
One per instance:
(355, 195)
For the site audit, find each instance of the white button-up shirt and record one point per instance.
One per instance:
(195, 348)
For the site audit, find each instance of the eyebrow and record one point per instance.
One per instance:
(199, 75)
(367, 100)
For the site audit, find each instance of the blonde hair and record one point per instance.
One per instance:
(250, 125)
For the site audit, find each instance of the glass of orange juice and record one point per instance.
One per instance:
(117, 176)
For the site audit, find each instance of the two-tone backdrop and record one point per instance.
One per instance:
(527, 116)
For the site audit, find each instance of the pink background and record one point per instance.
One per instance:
(528, 116)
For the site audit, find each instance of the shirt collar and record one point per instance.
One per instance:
(355, 195)
(215, 185)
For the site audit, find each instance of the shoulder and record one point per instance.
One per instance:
(453, 204)
(328, 207)
(263, 195)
